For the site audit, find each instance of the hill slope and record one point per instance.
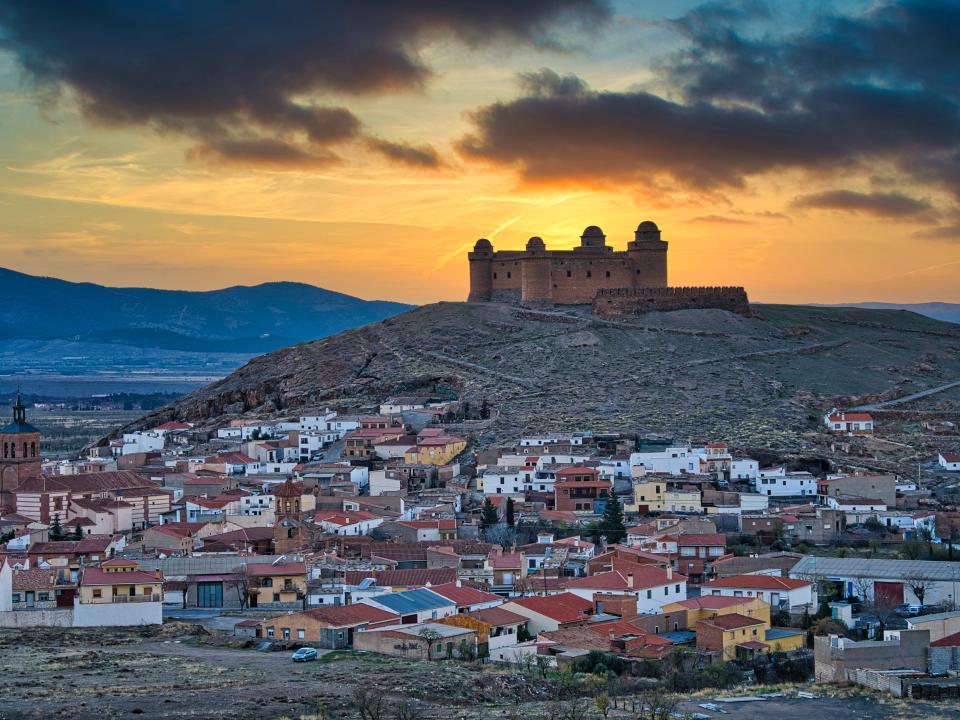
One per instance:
(948, 312)
(701, 373)
(236, 319)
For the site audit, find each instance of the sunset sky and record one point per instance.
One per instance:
(809, 151)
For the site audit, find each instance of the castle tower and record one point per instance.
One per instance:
(537, 288)
(20, 443)
(592, 240)
(648, 254)
(481, 271)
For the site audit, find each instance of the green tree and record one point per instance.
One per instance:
(510, 516)
(611, 524)
(56, 529)
(488, 515)
(78, 533)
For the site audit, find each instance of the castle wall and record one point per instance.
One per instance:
(576, 280)
(627, 302)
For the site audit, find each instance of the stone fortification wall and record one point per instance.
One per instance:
(627, 302)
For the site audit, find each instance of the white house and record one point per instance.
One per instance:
(314, 423)
(838, 421)
(793, 484)
(672, 461)
(786, 593)
(252, 505)
(499, 480)
(356, 522)
(142, 441)
(857, 510)
(652, 585)
(744, 469)
(950, 461)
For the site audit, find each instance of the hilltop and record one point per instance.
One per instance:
(756, 381)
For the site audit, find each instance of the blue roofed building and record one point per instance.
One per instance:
(414, 606)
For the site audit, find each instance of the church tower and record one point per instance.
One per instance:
(21, 450)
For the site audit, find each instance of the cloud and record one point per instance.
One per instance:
(424, 156)
(846, 93)
(719, 220)
(248, 79)
(944, 232)
(887, 205)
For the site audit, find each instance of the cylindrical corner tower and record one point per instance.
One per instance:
(481, 271)
(537, 289)
(648, 255)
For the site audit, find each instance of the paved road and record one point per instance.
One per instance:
(908, 398)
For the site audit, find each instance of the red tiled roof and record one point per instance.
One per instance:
(91, 543)
(753, 645)
(231, 458)
(851, 417)
(409, 577)
(948, 641)
(347, 615)
(345, 517)
(712, 602)
(269, 569)
(499, 616)
(34, 579)
(757, 582)
(564, 608)
(178, 529)
(732, 621)
(702, 539)
(644, 576)
(951, 457)
(96, 576)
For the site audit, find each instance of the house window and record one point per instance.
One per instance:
(301, 633)
(97, 593)
(269, 632)
(276, 597)
(286, 633)
(16, 597)
(649, 594)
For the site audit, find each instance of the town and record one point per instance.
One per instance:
(387, 530)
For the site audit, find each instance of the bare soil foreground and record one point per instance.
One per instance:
(171, 673)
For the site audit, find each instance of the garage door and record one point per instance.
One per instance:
(887, 594)
(210, 594)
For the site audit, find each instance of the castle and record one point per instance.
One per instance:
(614, 282)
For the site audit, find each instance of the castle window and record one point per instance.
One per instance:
(494, 276)
(508, 276)
(569, 273)
(608, 273)
(589, 273)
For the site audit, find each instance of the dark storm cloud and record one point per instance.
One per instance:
(844, 94)
(243, 76)
(889, 205)
(415, 155)
(637, 136)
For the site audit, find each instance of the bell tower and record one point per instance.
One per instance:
(20, 446)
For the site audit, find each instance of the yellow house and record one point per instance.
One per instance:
(650, 494)
(435, 450)
(657, 496)
(120, 581)
(706, 607)
(735, 636)
(277, 584)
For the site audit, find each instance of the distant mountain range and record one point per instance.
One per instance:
(239, 319)
(948, 312)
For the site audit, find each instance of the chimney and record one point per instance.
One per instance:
(669, 573)
(630, 580)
